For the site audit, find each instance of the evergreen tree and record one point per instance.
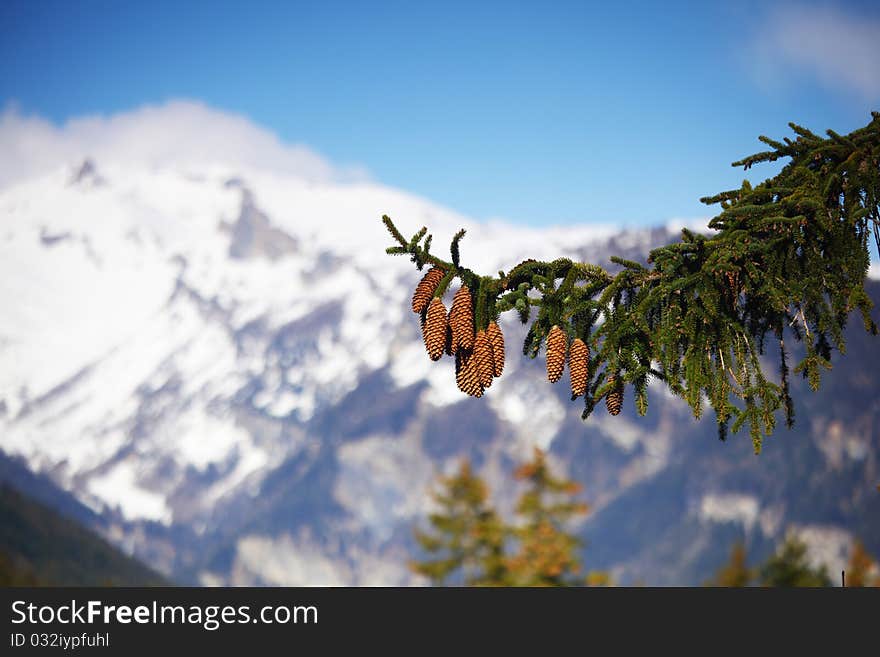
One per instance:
(735, 573)
(470, 542)
(789, 567)
(16, 574)
(547, 554)
(468, 537)
(862, 569)
(786, 263)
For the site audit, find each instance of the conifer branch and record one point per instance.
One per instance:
(789, 255)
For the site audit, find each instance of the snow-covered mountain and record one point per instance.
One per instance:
(222, 364)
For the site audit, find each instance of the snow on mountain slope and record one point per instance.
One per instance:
(220, 360)
(129, 318)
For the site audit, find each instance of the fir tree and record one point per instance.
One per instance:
(547, 554)
(786, 263)
(468, 537)
(789, 567)
(735, 573)
(862, 569)
(470, 544)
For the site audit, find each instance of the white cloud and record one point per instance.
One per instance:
(841, 49)
(179, 132)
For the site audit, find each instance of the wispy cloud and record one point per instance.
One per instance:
(838, 47)
(179, 132)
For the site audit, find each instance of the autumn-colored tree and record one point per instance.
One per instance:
(468, 537)
(599, 578)
(471, 544)
(547, 554)
(789, 567)
(735, 573)
(862, 569)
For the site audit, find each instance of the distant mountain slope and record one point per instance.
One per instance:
(15, 474)
(221, 367)
(40, 547)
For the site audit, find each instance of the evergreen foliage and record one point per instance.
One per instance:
(786, 262)
(39, 547)
(862, 570)
(547, 554)
(735, 573)
(789, 567)
(468, 537)
(470, 544)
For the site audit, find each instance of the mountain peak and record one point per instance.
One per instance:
(255, 403)
(86, 174)
(253, 235)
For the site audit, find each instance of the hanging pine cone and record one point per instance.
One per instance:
(459, 370)
(556, 343)
(466, 375)
(578, 366)
(483, 357)
(426, 288)
(461, 319)
(434, 332)
(496, 342)
(614, 397)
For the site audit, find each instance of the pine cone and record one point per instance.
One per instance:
(450, 345)
(556, 343)
(614, 397)
(466, 375)
(496, 341)
(434, 332)
(578, 366)
(460, 362)
(459, 370)
(483, 359)
(426, 288)
(461, 319)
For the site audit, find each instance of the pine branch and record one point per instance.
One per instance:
(787, 256)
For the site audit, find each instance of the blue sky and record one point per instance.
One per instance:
(540, 113)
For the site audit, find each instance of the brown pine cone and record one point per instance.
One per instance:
(434, 332)
(459, 370)
(426, 288)
(556, 343)
(614, 397)
(578, 366)
(461, 319)
(466, 375)
(496, 341)
(483, 357)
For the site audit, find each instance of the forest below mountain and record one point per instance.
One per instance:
(39, 547)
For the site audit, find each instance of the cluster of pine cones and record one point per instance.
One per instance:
(578, 367)
(479, 354)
